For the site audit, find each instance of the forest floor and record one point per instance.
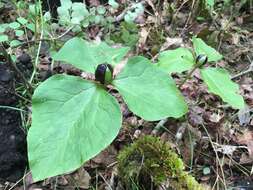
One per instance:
(215, 141)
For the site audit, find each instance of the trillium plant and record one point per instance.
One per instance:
(73, 119)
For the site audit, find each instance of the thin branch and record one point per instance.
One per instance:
(44, 39)
(249, 70)
(242, 73)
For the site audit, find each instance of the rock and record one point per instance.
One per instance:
(24, 58)
(5, 75)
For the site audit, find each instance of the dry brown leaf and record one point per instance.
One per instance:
(80, 179)
(244, 116)
(246, 138)
(215, 118)
(143, 36)
(172, 41)
(106, 157)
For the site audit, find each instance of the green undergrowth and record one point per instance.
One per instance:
(150, 162)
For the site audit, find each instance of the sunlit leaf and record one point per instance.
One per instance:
(177, 60)
(87, 55)
(149, 92)
(201, 47)
(72, 121)
(219, 83)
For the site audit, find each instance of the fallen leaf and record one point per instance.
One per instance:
(215, 118)
(171, 41)
(143, 37)
(227, 149)
(246, 138)
(106, 157)
(244, 116)
(81, 179)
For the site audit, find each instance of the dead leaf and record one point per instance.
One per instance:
(106, 157)
(80, 179)
(244, 116)
(227, 149)
(177, 42)
(195, 115)
(245, 159)
(215, 118)
(246, 138)
(143, 37)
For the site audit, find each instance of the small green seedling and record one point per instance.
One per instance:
(218, 80)
(17, 27)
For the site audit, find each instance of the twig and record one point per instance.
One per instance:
(15, 68)
(249, 70)
(108, 185)
(188, 18)
(242, 73)
(12, 108)
(44, 39)
(223, 179)
(21, 179)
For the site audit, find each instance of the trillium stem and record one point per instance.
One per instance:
(189, 74)
(200, 60)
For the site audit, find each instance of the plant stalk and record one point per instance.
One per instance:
(196, 66)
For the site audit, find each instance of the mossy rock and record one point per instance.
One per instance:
(149, 162)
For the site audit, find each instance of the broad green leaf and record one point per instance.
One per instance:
(113, 3)
(79, 12)
(3, 38)
(19, 32)
(130, 16)
(47, 16)
(22, 20)
(210, 4)
(149, 92)
(87, 55)
(64, 15)
(201, 47)
(72, 121)
(14, 43)
(101, 10)
(14, 25)
(31, 27)
(177, 60)
(66, 4)
(219, 83)
(3, 27)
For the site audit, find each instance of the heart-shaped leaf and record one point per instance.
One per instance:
(87, 55)
(72, 121)
(219, 83)
(148, 91)
(201, 48)
(178, 60)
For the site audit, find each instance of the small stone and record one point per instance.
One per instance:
(5, 75)
(24, 58)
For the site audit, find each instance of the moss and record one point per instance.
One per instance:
(150, 161)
